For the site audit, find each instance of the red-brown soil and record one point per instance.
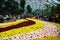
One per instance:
(23, 24)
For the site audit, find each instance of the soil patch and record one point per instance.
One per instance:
(23, 24)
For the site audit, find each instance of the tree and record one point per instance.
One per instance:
(12, 6)
(52, 10)
(29, 9)
(47, 10)
(22, 5)
(57, 9)
(2, 5)
(56, 13)
(8, 7)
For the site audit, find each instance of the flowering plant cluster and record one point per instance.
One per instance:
(51, 37)
(23, 30)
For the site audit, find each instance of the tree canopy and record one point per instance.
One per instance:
(29, 9)
(22, 5)
(8, 7)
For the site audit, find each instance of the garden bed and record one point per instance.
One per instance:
(31, 29)
(19, 27)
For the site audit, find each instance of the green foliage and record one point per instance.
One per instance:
(29, 9)
(57, 9)
(52, 9)
(21, 11)
(22, 5)
(9, 7)
(12, 6)
(46, 12)
(2, 2)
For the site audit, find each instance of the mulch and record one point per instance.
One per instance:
(23, 24)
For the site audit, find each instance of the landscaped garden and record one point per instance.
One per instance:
(29, 29)
(29, 20)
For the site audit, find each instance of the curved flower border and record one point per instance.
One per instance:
(47, 33)
(23, 30)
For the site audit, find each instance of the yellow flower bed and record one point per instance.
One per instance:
(23, 30)
(3, 25)
(51, 37)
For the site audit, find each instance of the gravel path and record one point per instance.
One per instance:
(49, 30)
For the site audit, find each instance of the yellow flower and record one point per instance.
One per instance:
(38, 25)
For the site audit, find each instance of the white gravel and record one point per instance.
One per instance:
(49, 30)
